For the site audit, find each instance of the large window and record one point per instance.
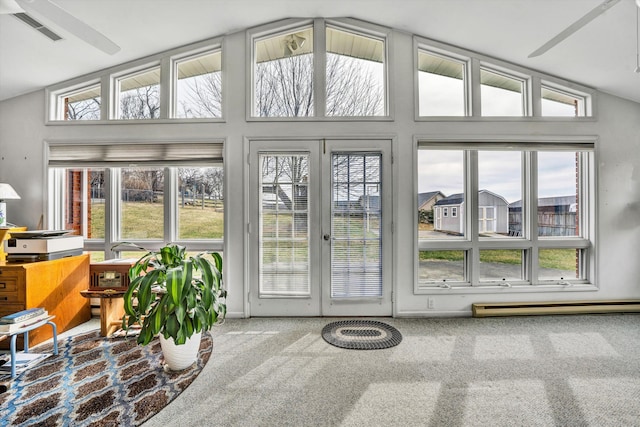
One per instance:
(283, 74)
(109, 203)
(298, 73)
(525, 216)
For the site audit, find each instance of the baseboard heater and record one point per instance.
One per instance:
(555, 307)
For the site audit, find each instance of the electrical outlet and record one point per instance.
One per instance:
(430, 303)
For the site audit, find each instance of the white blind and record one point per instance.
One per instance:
(135, 154)
(356, 214)
(284, 225)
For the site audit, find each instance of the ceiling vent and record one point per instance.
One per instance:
(37, 25)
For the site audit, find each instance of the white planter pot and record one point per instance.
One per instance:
(179, 357)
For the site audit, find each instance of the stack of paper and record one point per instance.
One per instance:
(16, 321)
(24, 361)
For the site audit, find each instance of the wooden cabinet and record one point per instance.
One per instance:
(54, 285)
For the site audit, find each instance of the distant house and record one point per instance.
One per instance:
(557, 216)
(426, 201)
(493, 213)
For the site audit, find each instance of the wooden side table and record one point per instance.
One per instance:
(111, 309)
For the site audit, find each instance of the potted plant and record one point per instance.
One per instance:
(176, 298)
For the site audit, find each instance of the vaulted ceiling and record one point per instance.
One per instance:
(601, 55)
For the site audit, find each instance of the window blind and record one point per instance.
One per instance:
(135, 154)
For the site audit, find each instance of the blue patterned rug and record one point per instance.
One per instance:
(96, 381)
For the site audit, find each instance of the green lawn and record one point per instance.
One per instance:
(561, 259)
(142, 220)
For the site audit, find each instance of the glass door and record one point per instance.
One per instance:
(284, 229)
(357, 228)
(319, 228)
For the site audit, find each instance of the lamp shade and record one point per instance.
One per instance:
(7, 192)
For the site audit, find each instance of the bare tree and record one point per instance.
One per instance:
(142, 184)
(207, 180)
(284, 87)
(140, 103)
(352, 88)
(88, 109)
(200, 96)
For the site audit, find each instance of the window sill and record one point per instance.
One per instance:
(496, 289)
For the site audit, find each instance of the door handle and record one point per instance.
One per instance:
(327, 237)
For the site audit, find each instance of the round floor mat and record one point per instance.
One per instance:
(361, 334)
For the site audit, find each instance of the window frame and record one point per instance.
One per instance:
(477, 60)
(116, 92)
(175, 61)
(105, 79)
(54, 200)
(471, 243)
(525, 81)
(319, 26)
(57, 112)
(465, 61)
(586, 98)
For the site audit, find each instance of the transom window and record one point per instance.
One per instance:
(343, 73)
(562, 102)
(81, 104)
(198, 86)
(138, 95)
(355, 74)
(442, 83)
(501, 94)
(452, 82)
(284, 74)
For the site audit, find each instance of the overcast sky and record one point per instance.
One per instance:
(498, 171)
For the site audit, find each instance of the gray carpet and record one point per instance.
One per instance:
(517, 371)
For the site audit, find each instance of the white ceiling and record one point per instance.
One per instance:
(601, 55)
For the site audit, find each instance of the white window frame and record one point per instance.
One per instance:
(464, 61)
(476, 61)
(56, 194)
(584, 111)
(530, 243)
(116, 80)
(319, 26)
(176, 60)
(525, 80)
(56, 99)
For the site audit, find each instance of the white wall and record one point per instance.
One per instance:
(22, 136)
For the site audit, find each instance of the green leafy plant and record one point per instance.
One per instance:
(174, 295)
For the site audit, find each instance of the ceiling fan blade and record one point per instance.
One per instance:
(593, 14)
(8, 7)
(70, 23)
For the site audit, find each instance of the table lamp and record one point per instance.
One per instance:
(6, 192)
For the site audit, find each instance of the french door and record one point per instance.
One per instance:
(320, 228)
